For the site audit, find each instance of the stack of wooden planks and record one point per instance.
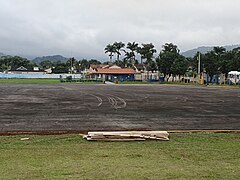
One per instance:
(127, 136)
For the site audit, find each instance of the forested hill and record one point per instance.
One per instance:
(53, 58)
(205, 49)
(1, 54)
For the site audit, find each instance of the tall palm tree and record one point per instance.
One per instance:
(118, 47)
(128, 60)
(133, 47)
(146, 51)
(170, 47)
(219, 50)
(111, 50)
(140, 51)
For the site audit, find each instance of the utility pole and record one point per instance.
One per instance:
(199, 67)
(199, 63)
(71, 65)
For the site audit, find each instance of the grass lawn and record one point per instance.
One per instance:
(30, 81)
(185, 156)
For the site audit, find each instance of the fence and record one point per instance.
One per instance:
(38, 76)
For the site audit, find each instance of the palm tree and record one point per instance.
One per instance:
(128, 60)
(170, 47)
(147, 51)
(118, 47)
(219, 50)
(133, 48)
(111, 50)
(141, 52)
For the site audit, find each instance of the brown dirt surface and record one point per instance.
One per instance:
(79, 108)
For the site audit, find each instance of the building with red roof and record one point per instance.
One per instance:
(112, 73)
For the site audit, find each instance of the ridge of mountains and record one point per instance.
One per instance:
(54, 58)
(205, 49)
(188, 53)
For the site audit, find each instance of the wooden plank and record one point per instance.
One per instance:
(127, 135)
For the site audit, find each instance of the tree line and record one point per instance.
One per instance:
(167, 61)
(71, 65)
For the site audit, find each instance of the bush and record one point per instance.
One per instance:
(69, 78)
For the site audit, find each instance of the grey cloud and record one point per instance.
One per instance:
(83, 28)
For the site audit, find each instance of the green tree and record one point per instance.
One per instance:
(7, 62)
(179, 66)
(119, 63)
(210, 63)
(128, 60)
(94, 61)
(118, 46)
(152, 66)
(146, 52)
(72, 64)
(133, 47)
(110, 49)
(218, 50)
(60, 67)
(83, 64)
(225, 63)
(165, 62)
(4, 63)
(141, 52)
(170, 62)
(170, 47)
(234, 63)
(46, 64)
(214, 61)
(19, 61)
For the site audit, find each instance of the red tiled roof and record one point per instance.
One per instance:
(115, 71)
(95, 66)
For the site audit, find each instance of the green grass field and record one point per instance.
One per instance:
(30, 81)
(57, 81)
(185, 156)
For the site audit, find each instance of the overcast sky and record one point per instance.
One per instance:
(82, 28)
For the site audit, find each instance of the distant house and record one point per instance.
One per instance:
(94, 67)
(48, 70)
(112, 73)
(234, 77)
(140, 68)
(26, 70)
(144, 75)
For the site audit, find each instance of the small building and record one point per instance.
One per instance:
(140, 68)
(94, 67)
(144, 75)
(234, 77)
(113, 73)
(26, 70)
(48, 70)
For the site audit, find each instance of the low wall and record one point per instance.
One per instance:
(38, 76)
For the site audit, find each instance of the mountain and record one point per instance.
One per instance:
(205, 49)
(53, 58)
(1, 54)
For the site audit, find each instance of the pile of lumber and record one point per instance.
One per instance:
(127, 136)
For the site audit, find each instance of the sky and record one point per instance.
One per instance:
(83, 28)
